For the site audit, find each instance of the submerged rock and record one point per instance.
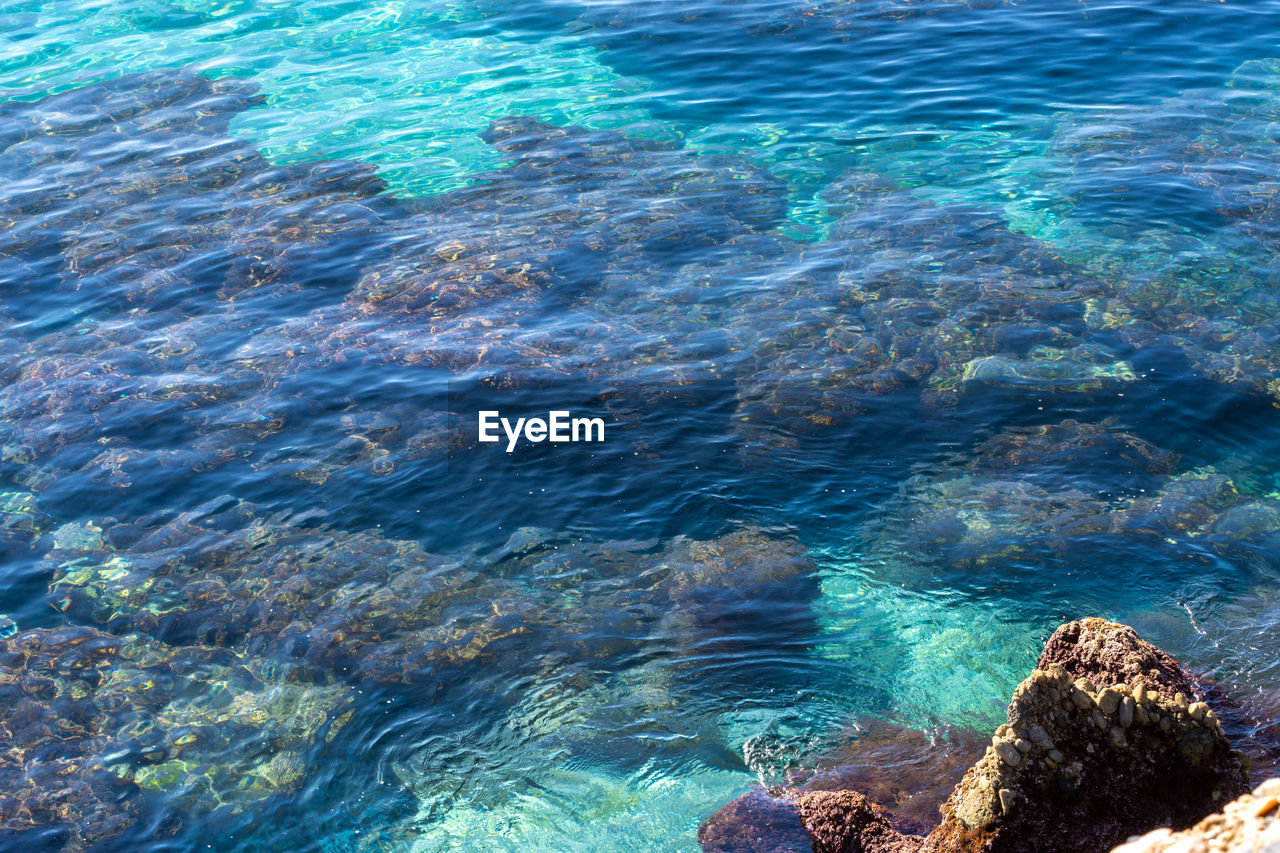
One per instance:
(21, 520)
(1106, 738)
(846, 822)
(374, 609)
(882, 785)
(194, 237)
(817, 821)
(216, 290)
(1075, 496)
(756, 823)
(91, 724)
(1046, 369)
(1213, 148)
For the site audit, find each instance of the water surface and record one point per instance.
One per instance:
(919, 328)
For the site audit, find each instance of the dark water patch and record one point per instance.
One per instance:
(940, 62)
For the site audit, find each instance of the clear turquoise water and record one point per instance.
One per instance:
(1133, 140)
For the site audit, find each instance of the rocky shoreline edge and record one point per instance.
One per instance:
(1107, 739)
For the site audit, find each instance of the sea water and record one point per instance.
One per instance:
(1077, 125)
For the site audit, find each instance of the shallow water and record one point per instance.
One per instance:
(918, 328)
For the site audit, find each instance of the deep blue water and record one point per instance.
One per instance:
(917, 329)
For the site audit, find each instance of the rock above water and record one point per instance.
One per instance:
(846, 822)
(1104, 740)
(1108, 653)
(1250, 824)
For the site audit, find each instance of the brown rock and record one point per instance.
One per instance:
(846, 822)
(756, 823)
(1102, 743)
(1102, 781)
(909, 772)
(1108, 653)
(809, 822)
